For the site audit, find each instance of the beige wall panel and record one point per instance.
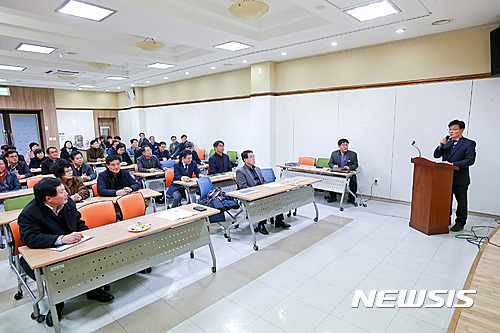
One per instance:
(84, 99)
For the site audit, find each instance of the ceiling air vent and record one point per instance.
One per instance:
(63, 73)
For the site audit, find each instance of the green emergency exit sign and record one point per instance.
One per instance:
(4, 91)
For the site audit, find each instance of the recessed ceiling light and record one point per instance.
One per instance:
(442, 22)
(232, 46)
(3, 80)
(399, 31)
(213, 67)
(106, 90)
(165, 77)
(86, 86)
(84, 10)
(187, 73)
(118, 87)
(159, 65)
(132, 85)
(373, 10)
(284, 53)
(35, 48)
(12, 68)
(334, 44)
(147, 82)
(244, 61)
(118, 78)
(79, 88)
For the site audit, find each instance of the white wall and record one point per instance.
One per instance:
(379, 123)
(72, 123)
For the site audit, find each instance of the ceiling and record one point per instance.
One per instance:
(190, 29)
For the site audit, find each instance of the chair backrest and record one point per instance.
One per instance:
(132, 158)
(307, 161)
(94, 190)
(205, 186)
(201, 154)
(268, 174)
(168, 164)
(169, 177)
(15, 236)
(132, 205)
(31, 182)
(99, 213)
(136, 168)
(212, 151)
(233, 155)
(322, 162)
(17, 203)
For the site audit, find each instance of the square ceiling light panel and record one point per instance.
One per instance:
(373, 10)
(85, 10)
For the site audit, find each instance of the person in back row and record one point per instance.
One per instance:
(115, 181)
(67, 150)
(31, 153)
(153, 144)
(190, 146)
(174, 145)
(20, 168)
(348, 160)
(95, 153)
(183, 170)
(120, 150)
(148, 162)
(36, 162)
(134, 147)
(80, 169)
(77, 191)
(49, 162)
(162, 152)
(219, 162)
(8, 180)
(142, 139)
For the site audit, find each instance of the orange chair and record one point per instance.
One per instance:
(136, 168)
(132, 205)
(307, 161)
(94, 190)
(31, 182)
(169, 177)
(201, 154)
(97, 214)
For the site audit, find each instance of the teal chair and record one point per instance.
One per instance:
(233, 155)
(212, 151)
(322, 162)
(17, 203)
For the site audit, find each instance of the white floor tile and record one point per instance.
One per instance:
(333, 324)
(322, 252)
(320, 295)
(369, 250)
(283, 279)
(400, 276)
(447, 272)
(305, 264)
(186, 326)
(340, 277)
(358, 263)
(256, 297)
(408, 324)
(260, 325)
(405, 260)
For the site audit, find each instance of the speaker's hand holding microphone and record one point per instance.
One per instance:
(444, 141)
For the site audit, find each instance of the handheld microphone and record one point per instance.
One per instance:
(441, 145)
(419, 152)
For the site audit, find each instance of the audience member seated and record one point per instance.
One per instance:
(80, 169)
(49, 162)
(73, 185)
(108, 142)
(115, 181)
(174, 145)
(181, 146)
(134, 147)
(95, 153)
(190, 146)
(49, 220)
(112, 149)
(117, 137)
(36, 162)
(139, 151)
(148, 162)
(101, 141)
(162, 152)
(31, 153)
(8, 180)
(13, 148)
(67, 150)
(153, 144)
(20, 168)
(120, 150)
(142, 139)
(4, 150)
(183, 170)
(219, 162)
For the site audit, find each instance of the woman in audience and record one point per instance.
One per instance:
(36, 162)
(31, 153)
(8, 180)
(67, 150)
(74, 185)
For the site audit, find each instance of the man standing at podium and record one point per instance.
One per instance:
(461, 152)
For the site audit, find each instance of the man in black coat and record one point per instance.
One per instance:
(115, 181)
(347, 160)
(50, 220)
(50, 162)
(19, 167)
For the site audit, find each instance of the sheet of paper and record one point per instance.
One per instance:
(175, 214)
(67, 246)
(248, 191)
(273, 185)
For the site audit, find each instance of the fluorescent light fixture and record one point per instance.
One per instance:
(3, 80)
(86, 86)
(4, 91)
(187, 73)
(284, 53)
(399, 31)
(118, 87)
(373, 10)
(213, 67)
(117, 78)
(12, 68)
(159, 65)
(132, 85)
(244, 61)
(232, 46)
(165, 78)
(334, 44)
(35, 48)
(85, 10)
(147, 81)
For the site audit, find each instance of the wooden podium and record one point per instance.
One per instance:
(431, 196)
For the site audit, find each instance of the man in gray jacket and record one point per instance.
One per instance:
(148, 162)
(250, 175)
(347, 160)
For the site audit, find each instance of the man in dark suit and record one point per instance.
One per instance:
(190, 146)
(347, 160)
(250, 175)
(183, 170)
(162, 152)
(219, 162)
(115, 181)
(49, 220)
(149, 162)
(80, 169)
(461, 152)
(49, 162)
(20, 168)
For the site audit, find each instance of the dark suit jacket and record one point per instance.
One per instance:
(196, 158)
(143, 164)
(178, 150)
(352, 159)
(47, 166)
(108, 183)
(40, 227)
(126, 158)
(84, 169)
(216, 166)
(163, 154)
(180, 172)
(245, 179)
(21, 167)
(462, 155)
(36, 163)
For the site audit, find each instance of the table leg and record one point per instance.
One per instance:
(211, 247)
(191, 194)
(41, 293)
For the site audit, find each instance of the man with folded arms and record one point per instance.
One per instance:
(49, 220)
(115, 181)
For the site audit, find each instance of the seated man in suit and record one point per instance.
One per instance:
(49, 220)
(183, 170)
(20, 168)
(219, 162)
(115, 181)
(174, 145)
(109, 141)
(181, 146)
(95, 153)
(112, 149)
(347, 160)
(8, 180)
(162, 152)
(49, 163)
(142, 139)
(250, 175)
(80, 169)
(138, 152)
(120, 150)
(461, 152)
(153, 144)
(134, 147)
(148, 162)
(190, 146)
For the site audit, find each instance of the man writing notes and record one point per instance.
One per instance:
(347, 160)
(219, 162)
(461, 152)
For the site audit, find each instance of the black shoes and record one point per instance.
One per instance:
(100, 295)
(457, 227)
(332, 198)
(279, 223)
(48, 319)
(262, 228)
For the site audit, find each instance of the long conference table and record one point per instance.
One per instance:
(115, 253)
(226, 181)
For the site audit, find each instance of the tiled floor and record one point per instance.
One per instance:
(301, 280)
